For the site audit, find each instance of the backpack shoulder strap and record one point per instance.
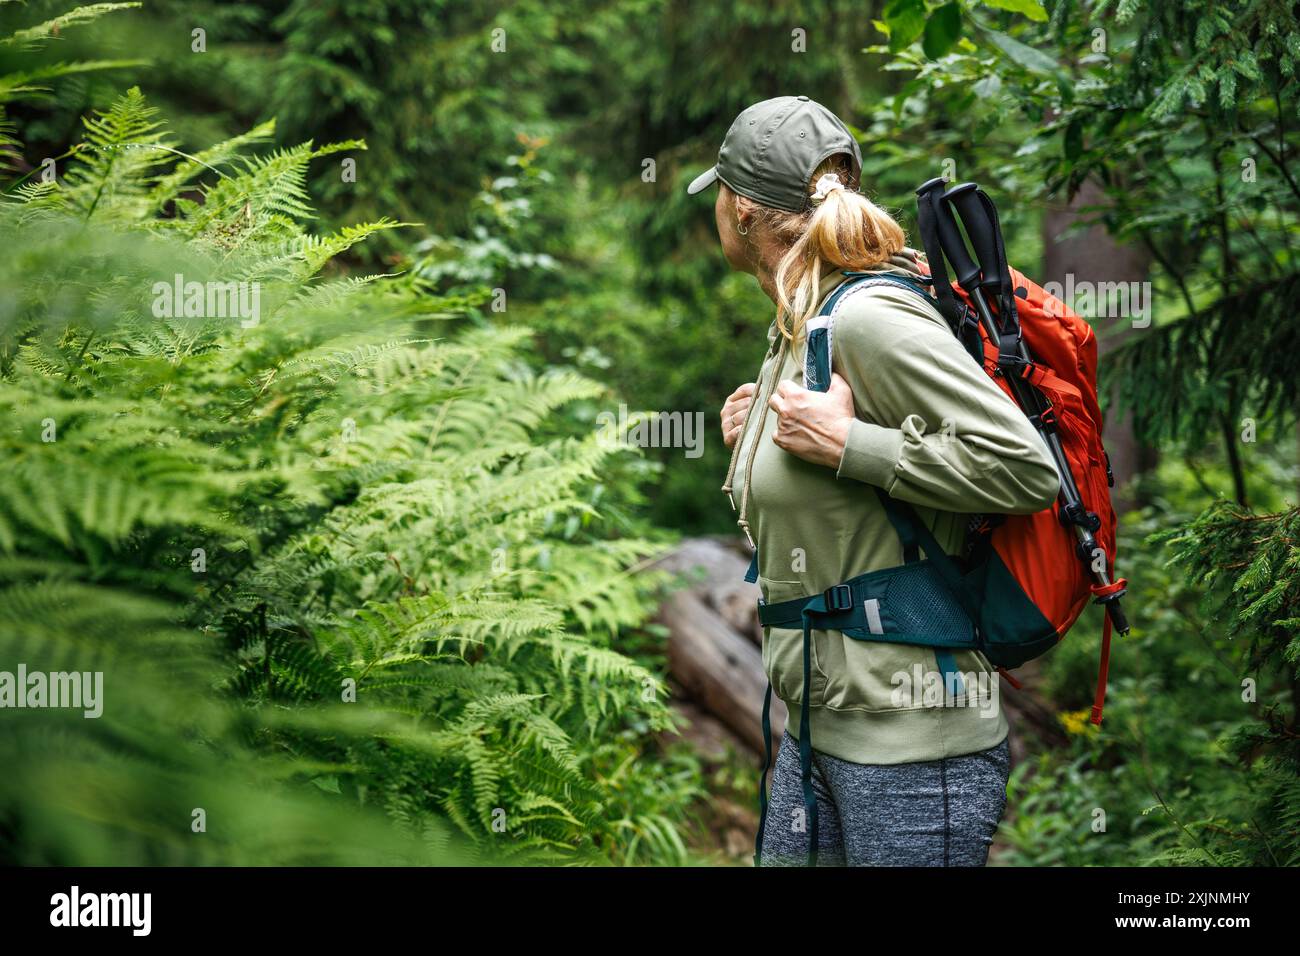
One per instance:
(820, 328)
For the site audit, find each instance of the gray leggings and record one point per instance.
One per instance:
(932, 813)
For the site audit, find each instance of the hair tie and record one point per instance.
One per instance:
(825, 186)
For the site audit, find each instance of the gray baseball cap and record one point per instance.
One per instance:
(773, 148)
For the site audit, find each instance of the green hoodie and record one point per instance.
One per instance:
(931, 429)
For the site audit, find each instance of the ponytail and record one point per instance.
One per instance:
(845, 230)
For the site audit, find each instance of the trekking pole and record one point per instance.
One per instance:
(971, 277)
(992, 275)
(969, 201)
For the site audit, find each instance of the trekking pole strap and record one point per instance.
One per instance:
(928, 211)
(980, 217)
(1103, 672)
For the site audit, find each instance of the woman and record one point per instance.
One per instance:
(892, 774)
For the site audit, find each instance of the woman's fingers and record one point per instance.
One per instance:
(734, 412)
(739, 400)
(745, 391)
(795, 406)
(813, 425)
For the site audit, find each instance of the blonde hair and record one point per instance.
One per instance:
(846, 230)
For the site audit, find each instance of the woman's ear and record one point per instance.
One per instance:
(745, 211)
(734, 246)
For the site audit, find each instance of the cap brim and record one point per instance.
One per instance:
(703, 181)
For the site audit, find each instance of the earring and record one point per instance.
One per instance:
(741, 229)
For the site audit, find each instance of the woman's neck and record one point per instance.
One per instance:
(765, 266)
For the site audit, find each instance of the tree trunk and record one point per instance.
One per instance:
(1091, 255)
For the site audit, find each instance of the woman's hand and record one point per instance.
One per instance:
(734, 412)
(813, 425)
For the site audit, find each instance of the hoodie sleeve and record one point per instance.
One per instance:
(931, 427)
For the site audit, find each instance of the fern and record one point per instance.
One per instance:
(378, 539)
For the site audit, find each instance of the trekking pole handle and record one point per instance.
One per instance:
(965, 269)
(1117, 617)
(983, 232)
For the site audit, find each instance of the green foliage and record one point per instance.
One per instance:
(1196, 762)
(1249, 566)
(353, 584)
(31, 82)
(525, 165)
(396, 484)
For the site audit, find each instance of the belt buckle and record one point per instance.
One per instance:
(838, 597)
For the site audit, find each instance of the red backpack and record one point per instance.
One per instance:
(1045, 359)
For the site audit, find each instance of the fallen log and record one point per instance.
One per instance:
(716, 572)
(720, 668)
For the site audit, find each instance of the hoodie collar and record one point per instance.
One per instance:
(903, 263)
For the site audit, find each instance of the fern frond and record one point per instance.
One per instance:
(30, 36)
